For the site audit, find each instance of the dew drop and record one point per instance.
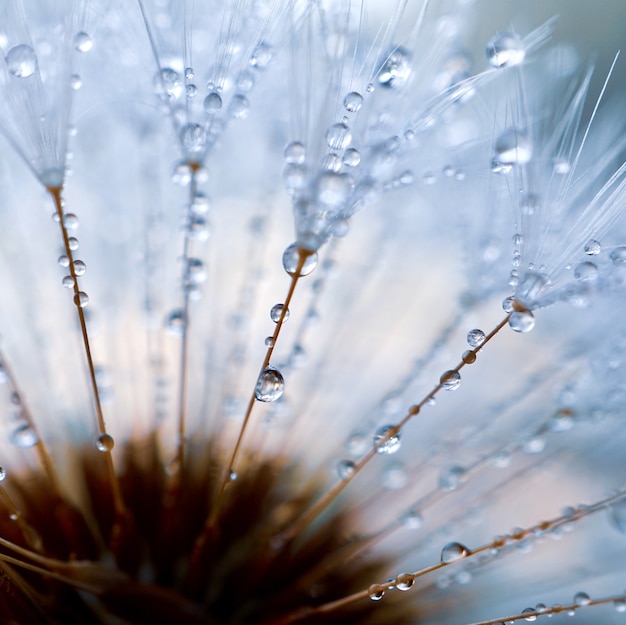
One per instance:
(181, 175)
(261, 56)
(269, 341)
(81, 299)
(617, 514)
(620, 605)
(3, 474)
(73, 243)
(586, 272)
(454, 551)
(345, 469)
(191, 91)
(239, 107)
(469, 357)
(412, 520)
(338, 136)
(353, 102)
(167, 83)
(193, 138)
(175, 322)
(523, 321)
(333, 189)
(76, 82)
(68, 282)
(79, 267)
(593, 247)
(450, 380)
(83, 42)
(213, 102)
(396, 68)
(70, 221)
(404, 581)
(351, 157)
(386, 440)
(451, 478)
(63, 261)
(376, 592)
(618, 256)
(21, 61)
(513, 147)
(475, 337)
(270, 385)
(232, 476)
(582, 599)
(105, 443)
(505, 49)
(531, 618)
(291, 257)
(276, 312)
(23, 436)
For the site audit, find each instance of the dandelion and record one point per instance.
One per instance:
(247, 425)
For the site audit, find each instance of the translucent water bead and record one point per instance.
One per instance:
(276, 312)
(270, 385)
(261, 56)
(450, 380)
(376, 592)
(505, 50)
(21, 61)
(345, 469)
(338, 136)
(3, 474)
(23, 436)
(353, 102)
(295, 153)
(454, 551)
(105, 443)
(213, 102)
(83, 42)
(531, 618)
(193, 138)
(404, 581)
(396, 69)
(593, 247)
(513, 147)
(291, 258)
(386, 440)
(582, 599)
(475, 337)
(523, 321)
(167, 83)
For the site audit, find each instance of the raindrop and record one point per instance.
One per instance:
(353, 102)
(63, 261)
(345, 469)
(24, 436)
(245, 80)
(454, 551)
(191, 91)
(582, 599)
(593, 247)
(68, 282)
(83, 42)
(620, 605)
(291, 257)
(386, 440)
(295, 153)
(562, 421)
(396, 69)
(404, 581)
(475, 337)
(338, 136)
(505, 49)
(469, 357)
(21, 61)
(586, 272)
(531, 618)
(276, 312)
(522, 321)
(73, 243)
(395, 477)
(450, 380)
(333, 189)
(270, 385)
(261, 56)
(70, 221)
(351, 157)
(269, 341)
(105, 443)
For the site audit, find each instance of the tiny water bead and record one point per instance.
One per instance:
(386, 440)
(270, 385)
(451, 478)
(450, 380)
(453, 552)
(83, 42)
(21, 61)
(376, 592)
(168, 84)
(193, 138)
(232, 476)
(505, 50)
(513, 147)
(353, 102)
(404, 581)
(269, 341)
(351, 157)
(522, 321)
(3, 474)
(582, 599)
(295, 153)
(213, 102)
(276, 311)
(291, 259)
(532, 616)
(338, 136)
(105, 443)
(395, 69)
(24, 437)
(475, 337)
(593, 247)
(81, 299)
(345, 469)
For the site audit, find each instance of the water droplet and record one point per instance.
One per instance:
(387, 440)
(270, 385)
(353, 102)
(181, 175)
(582, 599)
(191, 91)
(376, 592)
(167, 83)
(261, 56)
(73, 243)
(239, 107)
(75, 82)
(561, 421)
(395, 477)
(83, 42)
(412, 520)
(451, 478)
(333, 189)
(404, 581)
(454, 551)
(345, 469)
(469, 357)
(269, 341)
(475, 337)
(24, 436)
(213, 102)
(502, 459)
(507, 304)
(396, 69)
(3, 474)
(232, 476)
(351, 157)
(21, 61)
(276, 312)
(105, 442)
(531, 618)
(338, 136)
(513, 147)
(522, 321)
(586, 272)
(79, 267)
(505, 49)
(593, 247)
(561, 166)
(618, 256)
(175, 322)
(63, 261)
(534, 445)
(68, 282)
(291, 257)
(70, 221)
(450, 380)
(81, 299)
(193, 138)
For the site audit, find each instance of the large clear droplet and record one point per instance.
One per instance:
(83, 42)
(505, 49)
(338, 136)
(295, 153)
(376, 592)
(333, 189)
(454, 551)
(404, 581)
(353, 102)
(396, 69)
(213, 102)
(24, 436)
(513, 147)
(270, 385)
(450, 380)
(105, 443)
(21, 61)
(523, 321)
(582, 599)
(291, 259)
(276, 311)
(475, 337)
(530, 618)
(261, 56)
(193, 138)
(386, 440)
